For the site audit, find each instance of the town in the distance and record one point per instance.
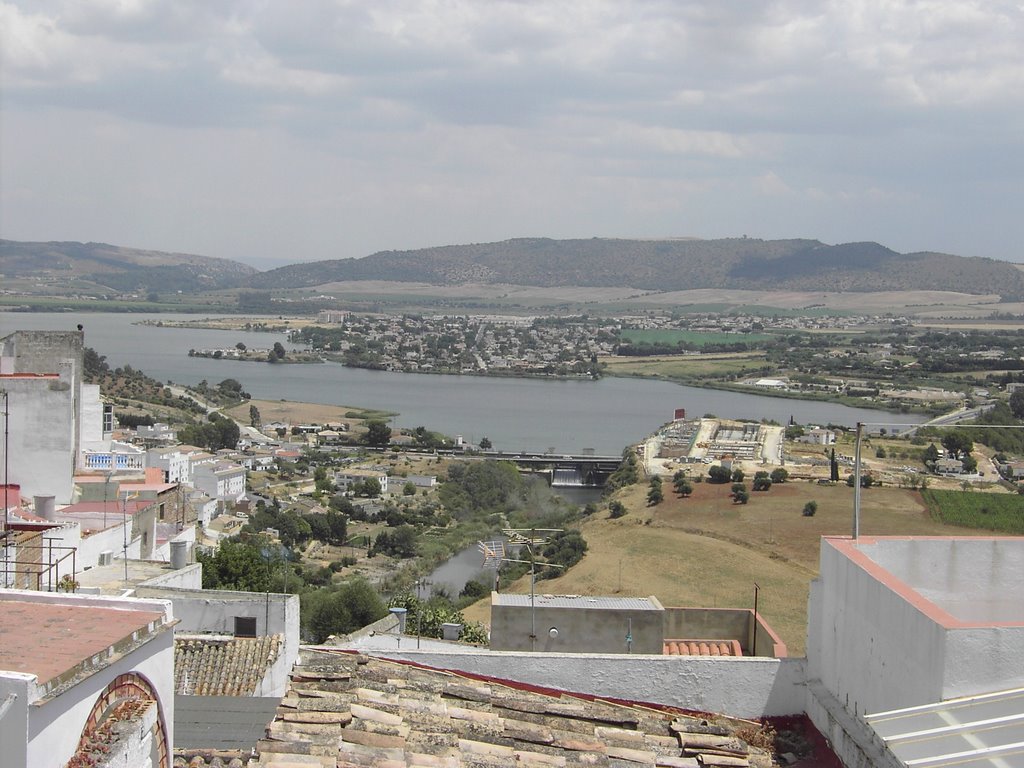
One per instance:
(304, 579)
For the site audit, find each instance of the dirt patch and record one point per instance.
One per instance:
(290, 412)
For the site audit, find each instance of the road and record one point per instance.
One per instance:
(961, 414)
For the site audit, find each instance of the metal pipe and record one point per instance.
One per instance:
(856, 481)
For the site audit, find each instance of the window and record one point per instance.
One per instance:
(245, 626)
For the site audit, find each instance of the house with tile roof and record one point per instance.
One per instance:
(85, 680)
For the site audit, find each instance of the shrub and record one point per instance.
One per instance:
(810, 508)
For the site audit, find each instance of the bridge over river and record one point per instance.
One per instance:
(563, 470)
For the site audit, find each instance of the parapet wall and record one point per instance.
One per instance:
(744, 687)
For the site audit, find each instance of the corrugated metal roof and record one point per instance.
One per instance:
(221, 722)
(579, 601)
(984, 731)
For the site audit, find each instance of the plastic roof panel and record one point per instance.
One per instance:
(984, 731)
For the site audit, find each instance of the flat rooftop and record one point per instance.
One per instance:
(48, 639)
(578, 601)
(957, 581)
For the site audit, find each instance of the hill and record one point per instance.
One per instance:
(99, 266)
(647, 265)
(668, 265)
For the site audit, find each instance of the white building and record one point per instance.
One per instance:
(345, 480)
(222, 480)
(86, 678)
(172, 461)
(41, 374)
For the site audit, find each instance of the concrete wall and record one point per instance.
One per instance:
(983, 659)
(44, 412)
(869, 647)
(738, 687)
(189, 577)
(42, 436)
(208, 611)
(580, 629)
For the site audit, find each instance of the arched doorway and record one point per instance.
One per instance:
(122, 699)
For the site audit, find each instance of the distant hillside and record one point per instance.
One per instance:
(119, 269)
(668, 265)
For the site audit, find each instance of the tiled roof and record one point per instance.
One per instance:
(223, 666)
(345, 709)
(702, 648)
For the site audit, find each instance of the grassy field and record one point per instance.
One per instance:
(706, 551)
(1002, 513)
(685, 367)
(674, 336)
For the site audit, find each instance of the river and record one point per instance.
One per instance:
(516, 414)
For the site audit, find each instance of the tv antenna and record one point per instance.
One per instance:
(494, 555)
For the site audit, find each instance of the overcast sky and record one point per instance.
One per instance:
(275, 132)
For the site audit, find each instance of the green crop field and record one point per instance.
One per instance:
(990, 511)
(673, 336)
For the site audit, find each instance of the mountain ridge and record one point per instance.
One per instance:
(668, 265)
(661, 265)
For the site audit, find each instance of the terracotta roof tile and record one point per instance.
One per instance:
(234, 666)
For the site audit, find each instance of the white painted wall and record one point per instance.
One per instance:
(14, 722)
(208, 611)
(870, 649)
(983, 659)
(874, 650)
(41, 437)
(740, 687)
(189, 577)
(55, 725)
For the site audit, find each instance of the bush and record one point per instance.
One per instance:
(810, 508)
(616, 509)
(718, 474)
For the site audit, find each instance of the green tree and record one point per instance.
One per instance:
(779, 475)
(1017, 402)
(341, 610)
(810, 508)
(409, 489)
(833, 467)
(741, 497)
(371, 487)
(485, 443)
(718, 474)
(378, 433)
(737, 475)
(254, 417)
(682, 485)
(761, 483)
(616, 509)
(930, 454)
(278, 351)
(236, 565)
(322, 480)
(957, 444)
(655, 495)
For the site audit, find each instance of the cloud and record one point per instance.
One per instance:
(676, 116)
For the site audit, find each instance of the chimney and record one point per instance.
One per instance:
(45, 507)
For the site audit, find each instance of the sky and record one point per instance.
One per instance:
(280, 131)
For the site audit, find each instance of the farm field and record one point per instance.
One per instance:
(698, 338)
(1003, 513)
(707, 551)
(685, 367)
